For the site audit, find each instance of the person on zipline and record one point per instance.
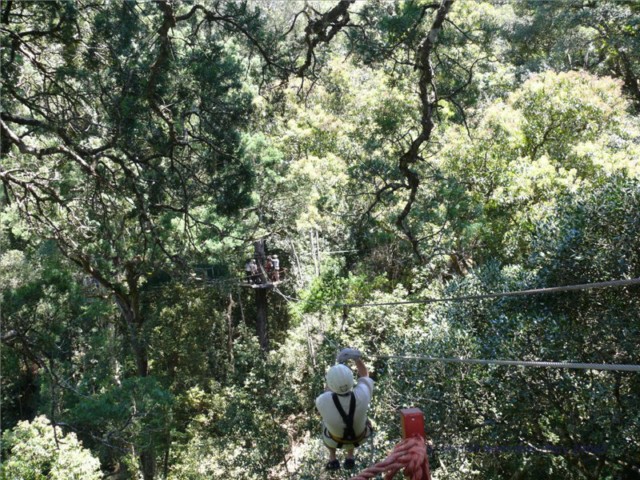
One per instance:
(343, 408)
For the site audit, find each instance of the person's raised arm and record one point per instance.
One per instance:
(362, 368)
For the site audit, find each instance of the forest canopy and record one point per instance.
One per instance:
(371, 156)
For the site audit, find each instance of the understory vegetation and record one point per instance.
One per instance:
(402, 158)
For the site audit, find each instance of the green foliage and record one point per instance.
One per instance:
(188, 336)
(550, 139)
(138, 409)
(236, 429)
(37, 450)
(596, 36)
(143, 142)
(593, 236)
(504, 419)
(50, 324)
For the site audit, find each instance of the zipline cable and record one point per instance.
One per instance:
(533, 291)
(520, 363)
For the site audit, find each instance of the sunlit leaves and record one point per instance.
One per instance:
(38, 450)
(557, 134)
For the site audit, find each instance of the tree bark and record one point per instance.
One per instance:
(134, 320)
(148, 463)
(261, 300)
(261, 318)
(631, 81)
(229, 315)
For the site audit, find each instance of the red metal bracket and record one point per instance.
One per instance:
(412, 422)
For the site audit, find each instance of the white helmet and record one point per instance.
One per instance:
(340, 379)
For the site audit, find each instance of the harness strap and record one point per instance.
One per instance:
(349, 433)
(341, 441)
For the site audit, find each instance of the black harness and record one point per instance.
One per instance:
(349, 436)
(349, 433)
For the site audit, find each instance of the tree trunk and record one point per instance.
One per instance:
(261, 318)
(134, 320)
(148, 463)
(230, 330)
(314, 252)
(261, 300)
(300, 279)
(631, 82)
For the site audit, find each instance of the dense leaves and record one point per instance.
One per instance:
(39, 450)
(387, 153)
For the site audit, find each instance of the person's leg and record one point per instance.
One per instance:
(350, 461)
(332, 454)
(333, 463)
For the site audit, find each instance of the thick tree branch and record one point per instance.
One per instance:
(168, 22)
(24, 148)
(322, 30)
(428, 101)
(389, 187)
(6, 12)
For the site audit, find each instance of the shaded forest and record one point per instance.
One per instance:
(387, 153)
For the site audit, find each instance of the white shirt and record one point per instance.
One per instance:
(363, 392)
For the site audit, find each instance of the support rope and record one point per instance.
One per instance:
(521, 363)
(410, 454)
(533, 291)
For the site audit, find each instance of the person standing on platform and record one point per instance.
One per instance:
(248, 271)
(276, 268)
(255, 277)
